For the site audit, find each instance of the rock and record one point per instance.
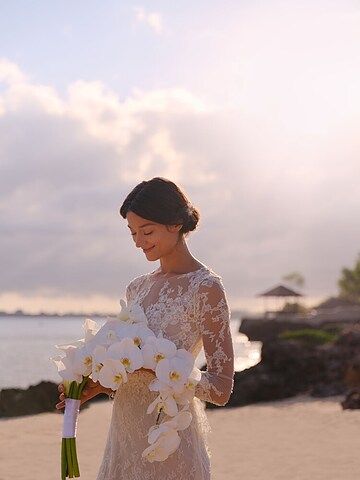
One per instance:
(36, 399)
(264, 329)
(269, 327)
(352, 401)
(290, 367)
(40, 398)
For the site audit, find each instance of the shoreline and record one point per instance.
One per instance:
(301, 438)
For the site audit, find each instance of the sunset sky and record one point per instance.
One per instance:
(252, 106)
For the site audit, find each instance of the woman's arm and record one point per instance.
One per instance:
(216, 383)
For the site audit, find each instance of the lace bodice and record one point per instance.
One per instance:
(191, 310)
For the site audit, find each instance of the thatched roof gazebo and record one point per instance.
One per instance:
(280, 291)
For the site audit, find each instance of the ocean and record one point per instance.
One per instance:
(28, 343)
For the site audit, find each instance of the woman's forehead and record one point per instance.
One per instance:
(135, 221)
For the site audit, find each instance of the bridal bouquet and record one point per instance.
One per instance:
(107, 355)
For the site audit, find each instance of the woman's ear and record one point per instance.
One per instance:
(175, 228)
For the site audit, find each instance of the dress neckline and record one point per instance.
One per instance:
(177, 275)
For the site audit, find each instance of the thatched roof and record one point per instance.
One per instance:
(336, 302)
(280, 291)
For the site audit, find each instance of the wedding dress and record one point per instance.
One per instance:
(191, 310)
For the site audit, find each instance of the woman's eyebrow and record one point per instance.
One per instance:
(142, 226)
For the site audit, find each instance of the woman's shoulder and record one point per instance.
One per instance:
(208, 277)
(138, 281)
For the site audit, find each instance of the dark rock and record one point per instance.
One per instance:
(323, 390)
(290, 367)
(269, 327)
(40, 398)
(352, 401)
(264, 329)
(350, 338)
(35, 399)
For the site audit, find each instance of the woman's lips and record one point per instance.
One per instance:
(146, 250)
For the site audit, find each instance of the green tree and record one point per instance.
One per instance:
(295, 278)
(349, 282)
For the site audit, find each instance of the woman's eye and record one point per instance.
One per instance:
(148, 233)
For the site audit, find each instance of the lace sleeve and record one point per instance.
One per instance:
(216, 383)
(128, 294)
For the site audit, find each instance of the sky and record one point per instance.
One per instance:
(253, 107)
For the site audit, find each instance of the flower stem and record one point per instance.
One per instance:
(64, 465)
(158, 417)
(69, 458)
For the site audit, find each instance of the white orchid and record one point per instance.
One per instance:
(66, 373)
(156, 349)
(99, 356)
(182, 397)
(139, 332)
(165, 441)
(137, 314)
(112, 374)
(132, 313)
(188, 393)
(91, 328)
(175, 371)
(165, 402)
(128, 354)
(181, 421)
(107, 333)
(76, 364)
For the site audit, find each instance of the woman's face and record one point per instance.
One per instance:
(155, 240)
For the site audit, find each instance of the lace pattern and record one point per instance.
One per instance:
(192, 311)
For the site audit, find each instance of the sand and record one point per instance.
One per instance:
(297, 439)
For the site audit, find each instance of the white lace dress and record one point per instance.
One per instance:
(191, 310)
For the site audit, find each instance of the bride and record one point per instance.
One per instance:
(185, 302)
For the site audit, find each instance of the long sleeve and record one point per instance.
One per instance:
(216, 383)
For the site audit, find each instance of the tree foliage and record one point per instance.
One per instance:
(295, 278)
(349, 282)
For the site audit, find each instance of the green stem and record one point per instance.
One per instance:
(64, 465)
(74, 458)
(69, 458)
(158, 417)
(82, 386)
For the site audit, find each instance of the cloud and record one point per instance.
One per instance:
(10, 73)
(153, 20)
(66, 165)
(271, 201)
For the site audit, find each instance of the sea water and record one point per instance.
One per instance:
(28, 343)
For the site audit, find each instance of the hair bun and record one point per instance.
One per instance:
(190, 219)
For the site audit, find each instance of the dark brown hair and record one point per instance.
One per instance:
(161, 201)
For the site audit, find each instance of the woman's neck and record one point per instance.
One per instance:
(180, 260)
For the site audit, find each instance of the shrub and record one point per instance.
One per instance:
(310, 336)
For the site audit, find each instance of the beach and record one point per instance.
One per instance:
(298, 439)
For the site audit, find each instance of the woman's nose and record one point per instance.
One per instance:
(139, 241)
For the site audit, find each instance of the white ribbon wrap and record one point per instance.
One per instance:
(70, 418)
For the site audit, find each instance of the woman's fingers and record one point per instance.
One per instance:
(61, 390)
(60, 405)
(91, 390)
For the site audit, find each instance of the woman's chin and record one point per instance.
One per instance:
(150, 255)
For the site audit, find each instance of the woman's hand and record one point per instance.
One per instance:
(91, 390)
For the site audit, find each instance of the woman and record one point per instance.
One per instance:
(185, 302)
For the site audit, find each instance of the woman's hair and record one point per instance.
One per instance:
(161, 201)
